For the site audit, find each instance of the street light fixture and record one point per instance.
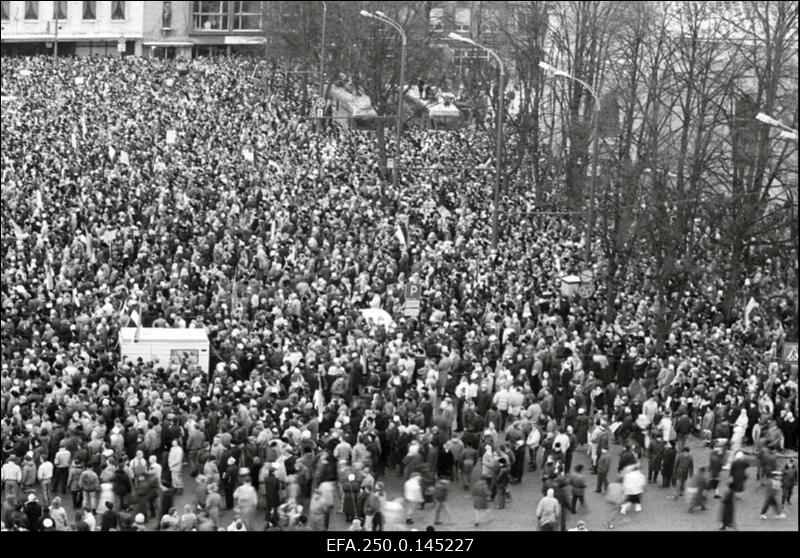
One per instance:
(500, 110)
(553, 70)
(788, 133)
(590, 224)
(380, 16)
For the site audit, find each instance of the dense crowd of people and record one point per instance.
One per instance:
(273, 235)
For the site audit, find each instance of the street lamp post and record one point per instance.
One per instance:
(380, 16)
(499, 152)
(593, 187)
(322, 60)
(55, 43)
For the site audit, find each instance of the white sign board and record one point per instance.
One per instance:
(183, 348)
(570, 285)
(378, 317)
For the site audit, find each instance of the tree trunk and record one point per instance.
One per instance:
(735, 275)
(305, 91)
(662, 324)
(612, 288)
(382, 147)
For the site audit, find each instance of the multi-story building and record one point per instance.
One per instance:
(72, 28)
(151, 28)
(203, 28)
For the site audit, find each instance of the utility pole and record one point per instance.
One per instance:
(322, 60)
(499, 154)
(592, 191)
(55, 43)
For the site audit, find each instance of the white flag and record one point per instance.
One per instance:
(123, 158)
(48, 277)
(74, 141)
(248, 155)
(751, 305)
(135, 317)
(111, 152)
(172, 136)
(400, 237)
(39, 202)
(18, 232)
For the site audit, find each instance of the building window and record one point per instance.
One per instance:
(5, 9)
(59, 10)
(491, 21)
(166, 15)
(210, 16)
(463, 20)
(31, 10)
(118, 10)
(436, 17)
(247, 16)
(524, 20)
(90, 10)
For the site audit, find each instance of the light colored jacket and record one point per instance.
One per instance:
(548, 510)
(175, 459)
(45, 471)
(633, 483)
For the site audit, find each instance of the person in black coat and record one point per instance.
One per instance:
(229, 479)
(272, 488)
(727, 509)
(444, 463)
(518, 468)
(121, 486)
(626, 458)
(33, 511)
(108, 520)
(668, 464)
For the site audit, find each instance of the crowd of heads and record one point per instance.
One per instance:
(273, 235)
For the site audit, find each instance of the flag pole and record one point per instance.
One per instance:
(140, 320)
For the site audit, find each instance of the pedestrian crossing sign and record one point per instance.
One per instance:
(790, 353)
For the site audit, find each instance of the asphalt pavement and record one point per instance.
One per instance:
(661, 511)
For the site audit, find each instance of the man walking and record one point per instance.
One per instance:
(548, 511)
(684, 468)
(668, 465)
(603, 467)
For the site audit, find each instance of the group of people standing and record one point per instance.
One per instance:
(181, 191)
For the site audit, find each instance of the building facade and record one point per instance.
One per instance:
(72, 28)
(200, 28)
(116, 28)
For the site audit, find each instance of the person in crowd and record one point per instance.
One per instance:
(684, 469)
(548, 511)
